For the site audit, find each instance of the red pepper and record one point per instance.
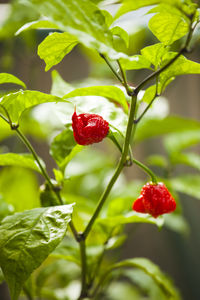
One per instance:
(154, 199)
(89, 128)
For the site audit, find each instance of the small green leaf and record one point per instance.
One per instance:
(64, 148)
(54, 47)
(115, 242)
(181, 66)
(135, 62)
(154, 53)
(112, 93)
(17, 103)
(20, 160)
(27, 238)
(9, 78)
(131, 217)
(187, 184)
(121, 33)
(169, 25)
(151, 270)
(37, 25)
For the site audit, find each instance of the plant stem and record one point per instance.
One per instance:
(125, 84)
(111, 67)
(118, 169)
(146, 169)
(84, 269)
(45, 174)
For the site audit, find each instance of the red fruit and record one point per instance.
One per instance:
(154, 199)
(89, 128)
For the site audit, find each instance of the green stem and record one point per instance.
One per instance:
(29, 146)
(84, 270)
(146, 169)
(111, 67)
(118, 170)
(46, 176)
(125, 83)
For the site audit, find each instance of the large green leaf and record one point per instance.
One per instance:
(37, 25)
(27, 238)
(128, 5)
(20, 160)
(168, 25)
(80, 18)
(54, 47)
(189, 159)
(9, 78)
(187, 184)
(17, 103)
(154, 127)
(64, 147)
(151, 270)
(113, 93)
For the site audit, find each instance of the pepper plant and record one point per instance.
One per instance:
(57, 249)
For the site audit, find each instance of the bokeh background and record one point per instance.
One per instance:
(176, 252)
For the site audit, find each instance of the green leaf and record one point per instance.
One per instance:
(135, 62)
(64, 148)
(59, 86)
(181, 66)
(121, 33)
(157, 160)
(149, 127)
(177, 223)
(168, 25)
(113, 93)
(54, 47)
(27, 238)
(17, 103)
(131, 217)
(9, 78)
(154, 53)
(187, 184)
(115, 242)
(149, 94)
(151, 270)
(37, 25)
(15, 184)
(87, 23)
(178, 141)
(189, 159)
(20, 160)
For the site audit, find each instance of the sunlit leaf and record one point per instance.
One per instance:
(87, 23)
(121, 33)
(113, 93)
(135, 62)
(59, 86)
(27, 238)
(37, 25)
(20, 160)
(9, 78)
(54, 47)
(17, 103)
